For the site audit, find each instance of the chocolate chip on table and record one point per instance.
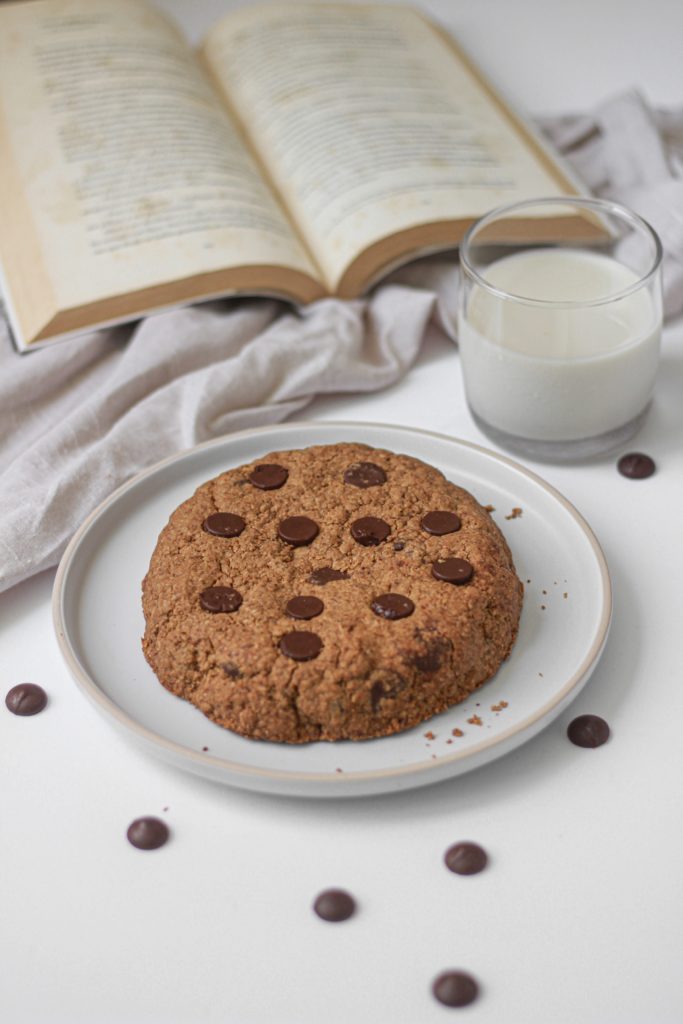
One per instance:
(224, 524)
(636, 466)
(220, 599)
(304, 607)
(147, 833)
(588, 731)
(298, 531)
(370, 531)
(334, 905)
(26, 699)
(392, 606)
(465, 858)
(301, 645)
(268, 476)
(452, 570)
(440, 523)
(365, 474)
(327, 575)
(455, 988)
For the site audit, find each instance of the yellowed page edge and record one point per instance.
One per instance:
(27, 287)
(264, 281)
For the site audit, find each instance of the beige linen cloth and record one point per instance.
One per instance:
(79, 418)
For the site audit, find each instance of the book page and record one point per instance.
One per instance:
(130, 170)
(369, 123)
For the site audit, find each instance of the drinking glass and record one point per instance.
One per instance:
(559, 325)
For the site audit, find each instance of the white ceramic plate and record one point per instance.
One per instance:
(565, 620)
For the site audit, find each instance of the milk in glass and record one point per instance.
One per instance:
(545, 369)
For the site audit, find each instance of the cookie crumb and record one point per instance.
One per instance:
(205, 749)
(475, 720)
(542, 607)
(515, 514)
(338, 770)
(489, 508)
(565, 595)
(499, 706)
(458, 732)
(430, 735)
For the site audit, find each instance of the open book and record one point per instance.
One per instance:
(305, 151)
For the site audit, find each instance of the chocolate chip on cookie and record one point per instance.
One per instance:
(452, 570)
(301, 645)
(440, 523)
(304, 607)
(370, 531)
(220, 599)
(224, 524)
(298, 531)
(392, 606)
(365, 474)
(327, 575)
(268, 476)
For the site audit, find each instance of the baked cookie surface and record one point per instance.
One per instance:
(333, 592)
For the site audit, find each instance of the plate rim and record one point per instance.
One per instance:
(105, 704)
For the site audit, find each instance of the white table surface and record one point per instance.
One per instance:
(579, 917)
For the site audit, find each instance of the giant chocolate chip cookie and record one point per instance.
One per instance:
(335, 592)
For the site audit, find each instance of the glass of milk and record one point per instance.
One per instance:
(559, 325)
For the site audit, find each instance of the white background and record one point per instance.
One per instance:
(579, 917)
